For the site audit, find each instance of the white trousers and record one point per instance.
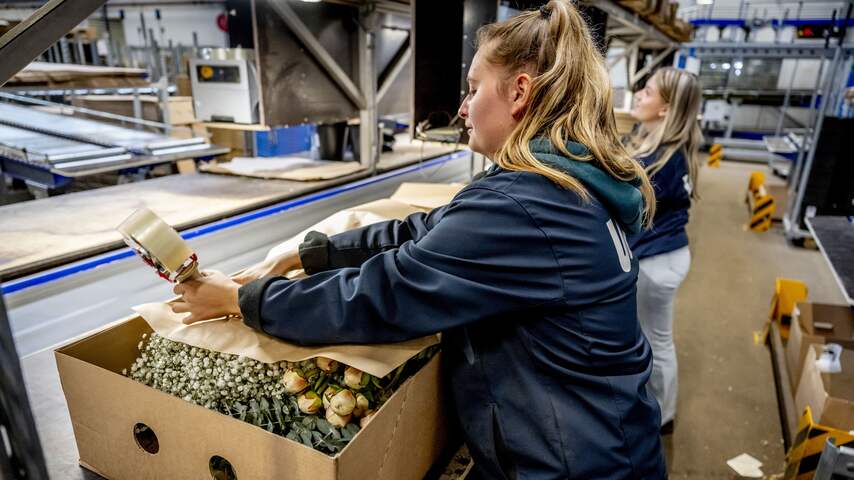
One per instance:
(658, 280)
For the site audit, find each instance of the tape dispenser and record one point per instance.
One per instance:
(160, 246)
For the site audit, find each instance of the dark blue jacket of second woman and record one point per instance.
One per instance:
(533, 288)
(673, 187)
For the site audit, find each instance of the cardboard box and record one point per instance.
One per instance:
(401, 442)
(804, 332)
(189, 131)
(781, 197)
(829, 396)
(180, 108)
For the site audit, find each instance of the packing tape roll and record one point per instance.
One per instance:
(147, 233)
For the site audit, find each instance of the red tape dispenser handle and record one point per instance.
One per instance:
(160, 247)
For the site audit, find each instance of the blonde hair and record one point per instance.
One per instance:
(570, 97)
(680, 90)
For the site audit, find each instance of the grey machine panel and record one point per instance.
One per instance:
(295, 87)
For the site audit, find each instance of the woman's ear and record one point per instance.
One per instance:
(662, 112)
(520, 94)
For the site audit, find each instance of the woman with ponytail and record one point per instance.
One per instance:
(526, 272)
(666, 144)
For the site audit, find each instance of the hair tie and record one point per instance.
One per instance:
(545, 12)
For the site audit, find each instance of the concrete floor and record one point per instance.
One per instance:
(727, 402)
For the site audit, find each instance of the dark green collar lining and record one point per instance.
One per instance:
(623, 199)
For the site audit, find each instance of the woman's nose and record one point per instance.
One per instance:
(463, 111)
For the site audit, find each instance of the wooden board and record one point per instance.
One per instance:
(64, 75)
(48, 232)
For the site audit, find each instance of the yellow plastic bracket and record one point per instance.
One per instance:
(787, 294)
(803, 456)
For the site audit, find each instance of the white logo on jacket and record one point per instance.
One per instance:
(621, 245)
(686, 180)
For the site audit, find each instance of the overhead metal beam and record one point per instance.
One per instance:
(622, 31)
(394, 70)
(292, 20)
(20, 45)
(630, 20)
(654, 63)
(381, 6)
(629, 27)
(627, 51)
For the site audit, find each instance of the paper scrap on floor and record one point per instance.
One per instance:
(746, 466)
(285, 168)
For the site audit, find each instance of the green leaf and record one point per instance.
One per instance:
(277, 408)
(305, 436)
(323, 426)
(352, 429)
(309, 422)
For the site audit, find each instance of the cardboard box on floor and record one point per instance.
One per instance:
(401, 442)
(830, 396)
(803, 332)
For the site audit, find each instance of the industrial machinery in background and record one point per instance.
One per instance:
(225, 85)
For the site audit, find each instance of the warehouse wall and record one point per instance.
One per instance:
(177, 24)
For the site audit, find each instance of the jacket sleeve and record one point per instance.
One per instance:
(319, 252)
(486, 257)
(671, 183)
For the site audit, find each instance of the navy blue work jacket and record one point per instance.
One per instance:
(673, 187)
(534, 291)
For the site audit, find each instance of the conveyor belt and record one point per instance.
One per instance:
(68, 145)
(52, 306)
(65, 153)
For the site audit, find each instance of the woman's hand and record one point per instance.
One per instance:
(214, 295)
(280, 265)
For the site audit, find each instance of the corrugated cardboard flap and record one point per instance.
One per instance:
(830, 396)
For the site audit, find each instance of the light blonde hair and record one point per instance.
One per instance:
(570, 97)
(680, 90)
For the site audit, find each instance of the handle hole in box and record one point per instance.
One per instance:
(221, 469)
(146, 438)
